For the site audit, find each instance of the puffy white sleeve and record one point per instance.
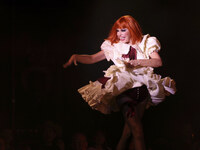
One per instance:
(108, 49)
(152, 45)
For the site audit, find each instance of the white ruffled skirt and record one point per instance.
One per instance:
(122, 79)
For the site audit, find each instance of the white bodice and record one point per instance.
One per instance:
(144, 49)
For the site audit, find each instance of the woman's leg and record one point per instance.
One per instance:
(122, 144)
(136, 127)
(132, 104)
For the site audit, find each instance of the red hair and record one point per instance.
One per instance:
(126, 22)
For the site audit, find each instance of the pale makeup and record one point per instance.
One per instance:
(123, 35)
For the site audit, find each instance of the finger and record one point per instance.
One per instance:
(65, 65)
(131, 63)
(75, 63)
(68, 63)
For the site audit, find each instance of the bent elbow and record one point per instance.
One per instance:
(157, 63)
(160, 63)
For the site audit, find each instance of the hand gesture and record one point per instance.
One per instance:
(70, 61)
(132, 63)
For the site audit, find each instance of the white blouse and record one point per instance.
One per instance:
(144, 49)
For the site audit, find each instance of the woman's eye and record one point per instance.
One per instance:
(123, 30)
(117, 30)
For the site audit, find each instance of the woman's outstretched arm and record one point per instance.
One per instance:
(85, 59)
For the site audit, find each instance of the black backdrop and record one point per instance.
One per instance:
(37, 37)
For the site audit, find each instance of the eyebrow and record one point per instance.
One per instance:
(121, 29)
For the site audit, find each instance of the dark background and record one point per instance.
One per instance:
(38, 36)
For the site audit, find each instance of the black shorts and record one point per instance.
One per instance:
(136, 95)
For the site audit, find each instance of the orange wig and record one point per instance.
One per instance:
(126, 22)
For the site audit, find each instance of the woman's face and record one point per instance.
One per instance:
(124, 35)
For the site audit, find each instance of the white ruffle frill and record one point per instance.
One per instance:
(122, 79)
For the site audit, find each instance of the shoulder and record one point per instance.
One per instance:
(153, 41)
(147, 39)
(108, 49)
(149, 42)
(106, 44)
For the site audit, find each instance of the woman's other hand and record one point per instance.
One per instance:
(70, 61)
(132, 63)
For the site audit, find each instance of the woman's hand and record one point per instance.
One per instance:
(154, 61)
(132, 63)
(70, 61)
